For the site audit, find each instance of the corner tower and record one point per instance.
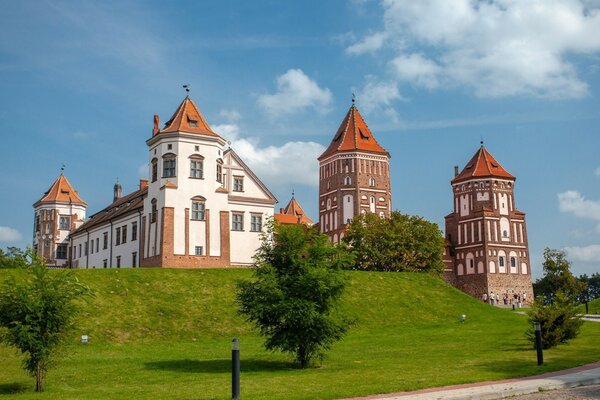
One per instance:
(354, 177)
(57, 213)
(486, 233)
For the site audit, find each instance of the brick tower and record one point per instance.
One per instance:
(486, 234)
(354, 177)
(57, 213)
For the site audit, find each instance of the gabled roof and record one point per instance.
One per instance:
(122, 206)
(270, 196)
(352, 135)
(188, 118)
(482, 165)
(293, 214)
(61, 191)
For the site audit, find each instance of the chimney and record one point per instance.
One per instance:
(117, 191)
(143, 183)
(455, 171)
(281, 211)
(155, 130)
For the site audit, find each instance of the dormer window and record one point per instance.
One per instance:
(362, 135)
(192, 121)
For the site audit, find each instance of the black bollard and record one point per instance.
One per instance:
(235, 369)
(587, 310)
(538, 343)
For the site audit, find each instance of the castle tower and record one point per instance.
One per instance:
(354, 177)
(486, 234)
(57, 213)
(292, 214)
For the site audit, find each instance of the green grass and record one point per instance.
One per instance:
(167, 334)
(593, 307)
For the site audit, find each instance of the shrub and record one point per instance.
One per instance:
(559, 320)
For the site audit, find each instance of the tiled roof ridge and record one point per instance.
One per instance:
(57, 191)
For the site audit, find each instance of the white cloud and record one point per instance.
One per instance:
(584, 254)
(368, 44)
(8, 234)
(495, 48)
(597, 171)
(295, 92)
(230, 115)
(416, 69)
(379, 96)
(290, 163)
(573, 202)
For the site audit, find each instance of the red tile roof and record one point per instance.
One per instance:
(483, 164)
(292, 214)
(61, 191)
(188, 118)
(353, 134)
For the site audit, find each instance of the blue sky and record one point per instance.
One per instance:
(81, 81)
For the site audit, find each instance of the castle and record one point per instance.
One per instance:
(202, 206)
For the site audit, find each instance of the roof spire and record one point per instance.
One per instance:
(353, 98)
(62, 169)
(292, 192)
(481, 141)
(187, 88)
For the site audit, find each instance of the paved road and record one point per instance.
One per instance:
(581, 393)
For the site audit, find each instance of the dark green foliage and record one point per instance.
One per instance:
(12, 258)
(557, 277)
(36, 313)
(591, 287)
(399, 243)
(297, 284)
(559, 320)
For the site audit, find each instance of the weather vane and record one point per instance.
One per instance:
(187, 88)
(353, 97)
(481, 141)
(62, 168)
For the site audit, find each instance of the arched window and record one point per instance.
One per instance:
(196, 166)
(372, 182)
(154, 169)
(153, 212)
(501, 261)
(329, 204)
(347, 181)
(198, 208)
(169, 161)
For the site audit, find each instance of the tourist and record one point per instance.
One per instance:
(484, 297)
(492, 298)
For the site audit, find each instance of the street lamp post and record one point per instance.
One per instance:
(538, 343)
(235, 369)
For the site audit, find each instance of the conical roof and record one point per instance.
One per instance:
(188, 118)
(482, 165)
(293, 214)
(352, 135)
(61, 191)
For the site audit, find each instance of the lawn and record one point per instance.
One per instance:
(167, 334)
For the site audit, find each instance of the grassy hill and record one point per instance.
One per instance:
(593, 307)
(167, 333)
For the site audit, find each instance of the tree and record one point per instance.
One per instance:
(296, 288)
(37, 312)
(12, 258)
(559, 320)
(399, 243)
(591, 287)
(557, 277)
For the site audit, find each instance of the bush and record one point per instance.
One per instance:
(559, 320)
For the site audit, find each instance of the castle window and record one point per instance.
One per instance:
(196, 168)
(105, 241)
(97, 244)
(37, 223)
(134, 259)
(118, 237)
(118, 261)
(237, 221)
(196, 148)
(501, 261)
(505, 233)
(219, 171)
(255, 222)
(169, 165)
(198, 210)
(61, 251)
(513, 262)
(154, 169)
(238, 183)
(347, 181)
(105, 263)
(192, 121)
(124, 234)
(198, 250)
(134, 231)
(64, 222)
(153, 212)
(169, 147)
(372, 182)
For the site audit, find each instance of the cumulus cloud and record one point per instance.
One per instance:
(295, 92)
(496, 48)
(584, 254)
(290, 163)
(8, 234)
(378, 95)
(573, 202)
(368, 44)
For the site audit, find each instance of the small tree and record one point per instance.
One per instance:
(559, 320)
(36, 314)
(297, 285)
(12, 258)
(399, 243)
(557, 277)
